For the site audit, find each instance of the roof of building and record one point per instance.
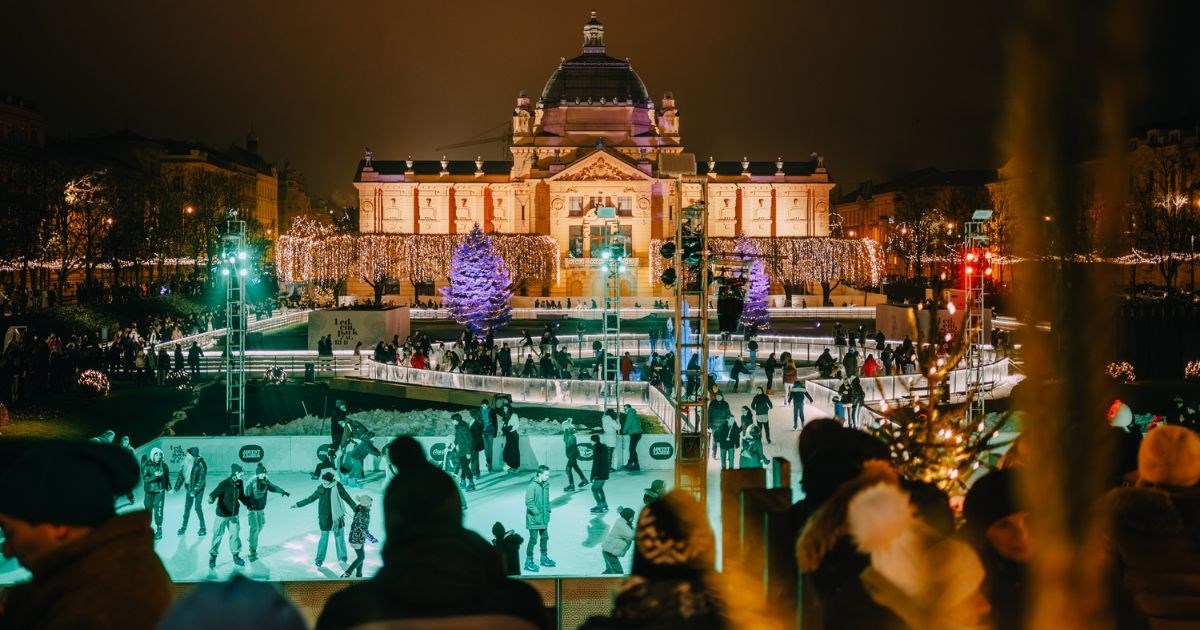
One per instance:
(595, 76)
(734, 168)
(433, 167)
(924, 178)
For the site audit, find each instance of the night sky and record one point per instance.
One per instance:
(878, 88)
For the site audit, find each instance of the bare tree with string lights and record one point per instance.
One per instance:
(480, 287)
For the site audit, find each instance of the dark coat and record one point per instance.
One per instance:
(1156, 532)
(463, 440)
(198, 480)
(156, 477)
(761, 403)
(228, 495)
(599, 461)
(256, 493)
(448, 572)
(325, 507)
(477, 436)
(109, 579)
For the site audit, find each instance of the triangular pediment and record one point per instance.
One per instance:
(600, 166)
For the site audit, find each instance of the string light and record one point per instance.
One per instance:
(796, 260)
(1121, 370)
(94, 382)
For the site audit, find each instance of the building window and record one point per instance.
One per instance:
(575, 241)
(596, 240)
(575, 206)
(624, 206)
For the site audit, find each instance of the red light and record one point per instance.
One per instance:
(970, 270)
(970, 256)
(987, 272)
(987, 254)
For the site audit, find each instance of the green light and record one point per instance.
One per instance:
(606, 254)
(241, 255)
(224, 271)
(242, 272)
(622, 268)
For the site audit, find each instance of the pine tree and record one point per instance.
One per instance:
(754, 314)
(480, 287)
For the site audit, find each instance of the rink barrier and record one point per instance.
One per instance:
(300, 453)
(629, 312)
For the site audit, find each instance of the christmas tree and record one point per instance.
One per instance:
(754, 314)
(480, 287)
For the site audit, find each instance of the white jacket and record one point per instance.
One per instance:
(611, 428)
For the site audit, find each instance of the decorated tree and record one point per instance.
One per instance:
(754, 314)
(480, 287)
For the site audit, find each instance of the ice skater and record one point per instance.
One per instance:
(256, 505)
(617, 542)
(633, 428)
(156, 480)
(359, 535)
(228, 495)
(571, 445)
(193, 479)
(600, 468)
(464, 446)
(796, 398)
(762, 412)
(729, 438)
(488, 417)
(512, 444)
(132, 453)
(611, 429)
(331, 515)
(537, 517)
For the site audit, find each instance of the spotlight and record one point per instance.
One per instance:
(668, 277)
(667, 250)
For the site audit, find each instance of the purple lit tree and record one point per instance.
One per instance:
(480, 287)
(754, 315)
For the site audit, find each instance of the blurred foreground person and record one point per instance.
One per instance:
(239, 604)
(434, 571)
(91, 568)
(994, 525)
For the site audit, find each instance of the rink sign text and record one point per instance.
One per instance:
(251, 453)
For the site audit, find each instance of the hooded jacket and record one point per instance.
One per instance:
(619, 538)
(156, 477)
(1156, 535)
(537, 504)
(228, 495)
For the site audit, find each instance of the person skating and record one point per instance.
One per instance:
(571, 445)
(464, 446)
(512, 444)
(761, 403)
(256, 504)
(632, 428)
(359, 535)
(617, 542)
(489, 418)
(600, 468)
(229, 495)
(476, 427)
(796, 399)
(729, 438)
(611, 429)
(736, 372)
(508, 543)
(331, 515)
(193, 479)
(537, 517)
(752, 450)
(156, 480)
(128, 448)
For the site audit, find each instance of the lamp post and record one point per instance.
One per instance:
(235, 269)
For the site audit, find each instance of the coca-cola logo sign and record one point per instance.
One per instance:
(251, 453)
(586, 452)
(438, 452)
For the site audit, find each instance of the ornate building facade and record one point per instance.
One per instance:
(594, 138)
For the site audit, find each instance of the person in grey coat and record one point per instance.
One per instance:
(537, 517)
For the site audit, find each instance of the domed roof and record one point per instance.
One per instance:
(594, 75)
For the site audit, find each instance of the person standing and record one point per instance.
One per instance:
(537, 517)
(729, 437)
(769, 367)
(128, 448)
(464, 445)
(762, 405)
(796, 399)
(156, 480)
(337, 427)
(632, 428)
(616, 544)
(476, 427)
(331, 515)
(228, 495)
(858, 396)
(164, 364)
(512, 444)
(359, 535)
(193, 478)
(256, 504)
(193, 359)
(611, 428)
(571, 444)
(600, 468)
(178, 358)
(488, 417)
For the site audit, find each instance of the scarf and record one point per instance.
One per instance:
(336, 509)
(188, 462)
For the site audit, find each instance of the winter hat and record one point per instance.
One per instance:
(674, 539)
(235, 468)
(327, 476)
(193, 451)
(657, 488)
(421, 495)
(1170, 455)
(63, 482)
(260, 469)
(364, 500)
(239, 604)
(626, 513)
(990, 499)
(156, 451)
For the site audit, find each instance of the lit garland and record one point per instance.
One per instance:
(1191, 371)
(796, 260)
(1121, 371)
(94, 383)
(275, 375)
(179, 379)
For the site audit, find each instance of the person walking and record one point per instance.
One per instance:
(464, 445)
(762, 405)
(193, 478)
(719, 413)
(632, 428)
(571, 444)
(228, 495)
(537, 518)
(256, 505)
(476, 428)
(360, 535)
(618, 541)
(796, 399)
(156, 480)
(331, 515)
(600, 468)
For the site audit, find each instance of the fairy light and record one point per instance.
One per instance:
(95, 382)
(795, 260)
(1121, 371)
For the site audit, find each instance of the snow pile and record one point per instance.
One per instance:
(388, 422)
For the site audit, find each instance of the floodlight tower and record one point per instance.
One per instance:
(613, 267)
(235, 268)
(978, 268)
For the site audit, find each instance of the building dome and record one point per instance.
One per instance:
(594, 76)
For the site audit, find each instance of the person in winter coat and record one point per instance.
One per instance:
(857, 397)
(331, 515)
(994, 525)
(90, 568)
(761, 403)
(476, 427)
(512, 444)
(616, 544)
(193, 478)
(571, 446)
(796, 398)
(633, 428)
(850, 363)
(600, 470)
(718, 415)
(825, 364)
(752, 449)
(735, 373)
(537, 517)
(508, 543)
(228, 496)
(156, 480)
(256, 503)
(729, 437)
(359, 535)
(870, 366)
(193, 358)
(611, 428)
(433, 568)
(464, 445)
(1156, 529)
(178, 358)
(769, 367)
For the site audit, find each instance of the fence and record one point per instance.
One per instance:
(628, 312)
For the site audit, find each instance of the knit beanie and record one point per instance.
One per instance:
(1170, 455)
(421, 494)
(674, 539)
(235, 468)
(239, 604)
(992, 498)
(626, 513)
(260, 469)
(64, 482)
(193, 451)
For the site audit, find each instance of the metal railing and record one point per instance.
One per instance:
(630, 312)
